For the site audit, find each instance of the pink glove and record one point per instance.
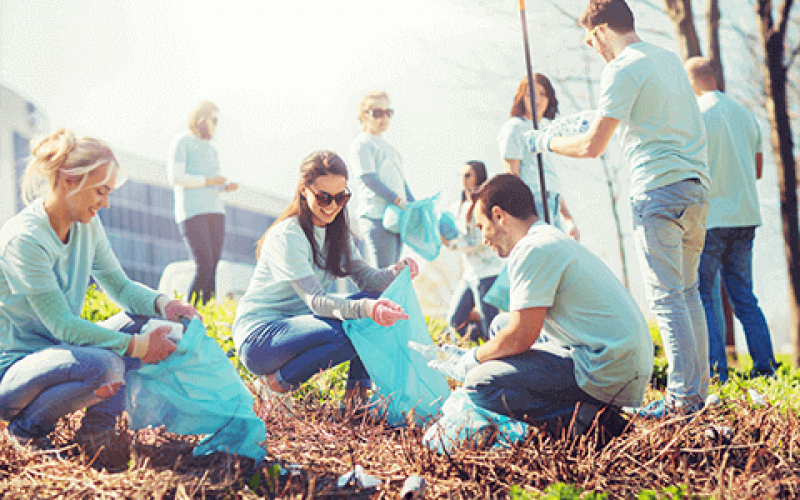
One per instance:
(176, 310)
(407, 262)
(153, 346)
(385, 312)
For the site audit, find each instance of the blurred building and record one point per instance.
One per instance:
(140, 222)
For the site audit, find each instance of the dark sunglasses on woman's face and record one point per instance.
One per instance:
(380, 113)
(324, 199)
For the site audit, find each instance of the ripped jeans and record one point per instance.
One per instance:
(45, 385)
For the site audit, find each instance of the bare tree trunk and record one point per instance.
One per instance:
(680, 12)
(714, 54)
(776, 74)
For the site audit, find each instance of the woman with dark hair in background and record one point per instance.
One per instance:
(379, 180)
(518, 159)
(193, 169)
(480, 264)
(287, 326)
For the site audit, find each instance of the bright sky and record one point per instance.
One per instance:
(288, 77)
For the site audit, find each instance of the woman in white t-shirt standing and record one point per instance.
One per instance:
(287, 326)
(378, 180)
(518, 159)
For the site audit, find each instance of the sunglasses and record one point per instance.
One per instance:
(380, 113)
(588, 38)
(324, 199)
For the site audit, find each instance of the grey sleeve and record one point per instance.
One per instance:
(409, 196)
(374, 183)
(369, 279)
(321, 304)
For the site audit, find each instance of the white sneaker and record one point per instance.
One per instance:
(268, 396)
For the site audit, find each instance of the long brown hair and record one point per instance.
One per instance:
(337, 233)
(519, 109)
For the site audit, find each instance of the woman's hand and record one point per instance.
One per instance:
(232, 186)
(176, 310)
(217, 180)
(406, 262)
(400, 202)
(384, 312)
(572, 229)
(153, 346)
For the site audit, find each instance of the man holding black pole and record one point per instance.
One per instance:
(646, 94)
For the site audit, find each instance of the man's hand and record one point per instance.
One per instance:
(538, 141)
(451, 360)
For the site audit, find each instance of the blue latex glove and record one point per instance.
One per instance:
(451, 360)
(538, 140)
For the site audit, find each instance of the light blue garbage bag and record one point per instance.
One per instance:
(400, 374)
(462, 421)
(197, 390)
(418, 226)
(447, 226)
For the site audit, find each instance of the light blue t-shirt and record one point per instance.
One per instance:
(286, 256)
(196, 157)
(661, 130)
(734, 138)
(478, 260)
(513, 146)
(34, 261)
(588, 311)
(372, 154)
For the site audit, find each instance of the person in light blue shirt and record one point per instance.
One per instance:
(597, 355)
(287, 327)
(378, 182)
(480, 265)
(519, 160)
(52, 362)
(736, 161)
(193, 169)
(647, 98)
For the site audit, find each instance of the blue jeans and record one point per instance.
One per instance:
(204, 235)
(536, 386)
(669, 230)
(295, 349)
(381, 247)
(729, 251)
(45, 385)
(553, 205)
(465, 298)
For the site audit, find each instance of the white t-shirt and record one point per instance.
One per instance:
(372, 154)
(286, 256)
(588, 311)
(661, 130)
(734, 138)
(479, 261)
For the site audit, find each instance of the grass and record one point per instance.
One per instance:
(665, 459)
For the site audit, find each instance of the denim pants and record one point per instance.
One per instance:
(45, 385)
(297, 348)
(465, 297)
(204, 235)
(729, 251)
(669, 230)
(536, 386)
(382, 248)
(553, 205)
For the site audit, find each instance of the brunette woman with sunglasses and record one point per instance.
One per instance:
(193, 169)
(379, 181)
(287, 326)
(518, 160)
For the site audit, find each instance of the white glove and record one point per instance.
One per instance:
(451, 360)
(538, 141)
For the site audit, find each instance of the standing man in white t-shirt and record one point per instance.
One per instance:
(736, 161)
(598, 351)
(646, 95)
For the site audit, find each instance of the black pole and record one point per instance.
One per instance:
(532, 90)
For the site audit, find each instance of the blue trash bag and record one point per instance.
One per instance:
(419, 228)
(401, 375)
(447, 226)
(462, 421)
(499, 294)
(197, 390)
